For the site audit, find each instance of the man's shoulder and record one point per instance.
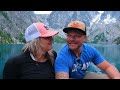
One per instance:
(89, 49)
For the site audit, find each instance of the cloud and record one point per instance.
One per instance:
(100, 11)
(42, 12)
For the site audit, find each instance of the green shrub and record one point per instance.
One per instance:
(21, 37)
(5, 38)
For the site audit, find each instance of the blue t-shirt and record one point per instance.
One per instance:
(67, 61)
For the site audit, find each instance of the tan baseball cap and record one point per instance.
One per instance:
(76, 25)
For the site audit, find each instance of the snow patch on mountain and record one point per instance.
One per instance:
(109, 19)
(96, 19)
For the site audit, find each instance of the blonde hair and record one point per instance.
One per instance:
(34, 47)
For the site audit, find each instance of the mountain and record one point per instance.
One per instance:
(59, 19)
(101, 27)
(43, 18)
(107, 29)
(13, 25)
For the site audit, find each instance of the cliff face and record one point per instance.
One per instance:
(59, 19)
(106, 29)
(14, 23)
(101, 27)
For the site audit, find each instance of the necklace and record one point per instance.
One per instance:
(42, 60)
(36, 63)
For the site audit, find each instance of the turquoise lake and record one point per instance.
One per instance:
(110, 52)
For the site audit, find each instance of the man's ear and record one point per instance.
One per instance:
(85, 38)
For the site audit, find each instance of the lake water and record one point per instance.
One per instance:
(110, 52)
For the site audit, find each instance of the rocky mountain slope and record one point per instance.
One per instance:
(13, 25)
(101, 27)
(107, 29)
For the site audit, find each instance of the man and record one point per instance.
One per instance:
(74, 59)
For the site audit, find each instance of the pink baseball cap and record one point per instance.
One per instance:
(38, 29)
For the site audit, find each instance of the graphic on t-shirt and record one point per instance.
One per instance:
(77, 66)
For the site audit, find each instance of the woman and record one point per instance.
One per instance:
(37, 59)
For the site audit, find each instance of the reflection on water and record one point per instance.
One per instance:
(6, 51)
(110, 52)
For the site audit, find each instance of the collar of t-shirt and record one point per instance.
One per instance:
(32, 56)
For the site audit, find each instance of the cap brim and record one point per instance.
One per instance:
(71, 28)
(50, 33)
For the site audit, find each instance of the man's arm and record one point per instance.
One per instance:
(110, 70)
(62, 75)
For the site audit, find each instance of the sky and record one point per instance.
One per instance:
(42, 12)
(48, 12)
(100, 11)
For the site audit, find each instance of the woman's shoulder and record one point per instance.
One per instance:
(17, 58)
(54, 53)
